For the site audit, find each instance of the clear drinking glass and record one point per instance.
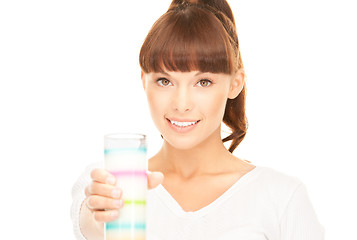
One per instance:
(125, 158)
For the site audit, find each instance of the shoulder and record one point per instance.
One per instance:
(273, 189)
(279, 185)
(278, 178)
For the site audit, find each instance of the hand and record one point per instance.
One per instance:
(104, 199)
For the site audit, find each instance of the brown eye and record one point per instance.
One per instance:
(163, 82)
(204, 83)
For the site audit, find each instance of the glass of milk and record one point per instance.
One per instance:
(125, 158)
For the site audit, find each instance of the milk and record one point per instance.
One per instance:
(129, 166)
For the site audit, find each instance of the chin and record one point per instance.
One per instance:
(182, 143)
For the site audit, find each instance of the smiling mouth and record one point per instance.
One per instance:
(183, 124)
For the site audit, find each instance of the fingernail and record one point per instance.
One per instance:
(118, 203)
(111, 180)
(116, 193)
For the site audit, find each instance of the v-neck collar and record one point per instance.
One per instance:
(173, 205)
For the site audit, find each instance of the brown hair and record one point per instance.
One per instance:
(199, 35)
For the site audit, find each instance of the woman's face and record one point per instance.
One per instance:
(188, 107)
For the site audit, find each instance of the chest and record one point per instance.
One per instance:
(230, 218)
(198, 193)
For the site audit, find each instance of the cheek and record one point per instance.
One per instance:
(214, 105)
(156, 102)
(152, 101)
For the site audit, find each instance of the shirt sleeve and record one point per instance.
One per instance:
(299, 220)
(78, 197)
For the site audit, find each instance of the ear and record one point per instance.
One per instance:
(143, 78)
(237, 84)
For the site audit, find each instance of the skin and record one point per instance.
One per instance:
(197, 159)
(189, 161)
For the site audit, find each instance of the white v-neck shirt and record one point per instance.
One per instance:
(264, 204)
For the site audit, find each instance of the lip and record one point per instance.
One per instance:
(182, 120)
(182, 129)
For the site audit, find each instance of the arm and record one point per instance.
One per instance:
(299, 220)
(78, 196)
(89, 227)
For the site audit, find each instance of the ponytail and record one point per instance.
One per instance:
(218, 5)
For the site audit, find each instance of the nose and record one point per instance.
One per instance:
(182, 101)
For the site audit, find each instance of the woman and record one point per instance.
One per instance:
(193, 76)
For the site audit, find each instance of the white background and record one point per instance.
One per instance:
(69, 74)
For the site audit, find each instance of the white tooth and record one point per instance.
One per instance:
(182, 124)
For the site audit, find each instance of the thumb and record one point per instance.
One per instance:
(154, 179)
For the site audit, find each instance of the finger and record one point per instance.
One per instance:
(104, 190)
(95, 203)
(106, 216)
(154, 179)
(102, 176)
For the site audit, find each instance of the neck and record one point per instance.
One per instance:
(208, 157)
